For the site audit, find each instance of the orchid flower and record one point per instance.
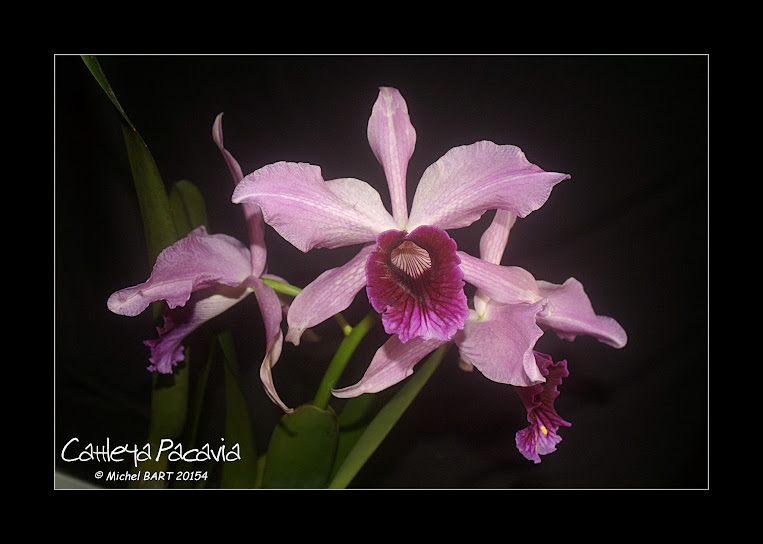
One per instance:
(201, 276)
(411, 269)
(500, 335)
(511, 311)
(565, 309)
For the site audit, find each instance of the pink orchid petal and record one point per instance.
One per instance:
(310, 212)
(500, 343)
(506, 284)
(469, 180)
(203, 305)
(496, 236)
(572, 314)
(392, 363)
(254, 222)
(217, 136)
(197, 261)
(270, 307)
(328, 294)
(392, 138)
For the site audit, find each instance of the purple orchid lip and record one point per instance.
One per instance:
(415, 282)
(540, 437)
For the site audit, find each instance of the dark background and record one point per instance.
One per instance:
(631, 225)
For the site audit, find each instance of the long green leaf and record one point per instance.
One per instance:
(238, 425)
(302, 449)
(196, 403)
(158, 224)
(357, 414)
(384, 421)
(95, 68)
(169, 398)
(188, 207)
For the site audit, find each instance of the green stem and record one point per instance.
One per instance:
(293, 291)
(281, 287)
(341, 358)
(343, 324)
(352, 337)
(384, 421)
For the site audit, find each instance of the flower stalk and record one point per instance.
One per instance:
(341, 359)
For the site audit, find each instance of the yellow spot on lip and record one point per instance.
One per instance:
(543, 429)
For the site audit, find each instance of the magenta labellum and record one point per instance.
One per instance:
(540, 438)
(414, 281)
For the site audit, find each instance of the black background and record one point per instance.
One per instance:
(631, 225)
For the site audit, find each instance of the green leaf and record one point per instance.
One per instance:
(302, 449)
(238, 425)
(158, 224)
(188, 207)
(170, 402)
(355, 417)
(95, 68)
(196, 402)
(198, 397)
(384, 421)
(169, 397)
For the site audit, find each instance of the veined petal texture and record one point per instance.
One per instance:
(392, 139)
(310, 212)
(415, 283)
(270, 307)
(573, 315)
(179, 322)
(328, 294)
(506, 284)
(197, 261)
(501, 344)
(496, 236)
(392, 363)
(254, 222)
(469, 180)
